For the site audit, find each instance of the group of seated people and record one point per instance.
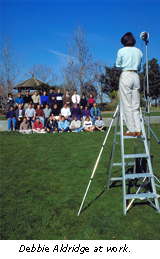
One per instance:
(62, 114)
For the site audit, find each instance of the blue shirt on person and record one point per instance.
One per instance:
(19, 100)
(129, 58)
(63, 125)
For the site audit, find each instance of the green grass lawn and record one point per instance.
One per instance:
(43, 181)
(2, 117)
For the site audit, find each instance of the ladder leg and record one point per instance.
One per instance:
(113, 147)
(150, 165)
(123, 163)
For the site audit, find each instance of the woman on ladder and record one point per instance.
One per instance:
(129, 60)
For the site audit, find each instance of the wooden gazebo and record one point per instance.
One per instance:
(29, 84)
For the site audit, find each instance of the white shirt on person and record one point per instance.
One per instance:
(65, 112)
(75, 98)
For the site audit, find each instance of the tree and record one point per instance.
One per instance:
(10, 66)
(44, 73)
(44, 87)
(111, 81)
(154, 79)
(70, 79)
(99, 78)
(80, 67)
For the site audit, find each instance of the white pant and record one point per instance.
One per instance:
(26, 131)
(129, 85)
(41, 131)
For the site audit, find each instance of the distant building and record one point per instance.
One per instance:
(28, 85)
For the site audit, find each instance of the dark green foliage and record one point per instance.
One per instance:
(154, 79)
(107, 106)
(44, 87)
(111, 80)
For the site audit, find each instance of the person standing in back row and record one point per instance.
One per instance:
(129, 60)
(75, 98)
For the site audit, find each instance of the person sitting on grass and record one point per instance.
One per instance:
(76, 125)
(95, 111)
(88, 125)
(99, 124)
(20, 113)
(52, 125)
(11, 117)
(63, 125)
(25, 127)
(40, 113)
(38, 126)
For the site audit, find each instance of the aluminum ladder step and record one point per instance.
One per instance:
(135, 155)
(132, 176)
(138, 175)
(130, 137)
(120, 164)
(140, 196)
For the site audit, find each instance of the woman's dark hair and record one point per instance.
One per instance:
(10, 94)
(128, 40)
(87, 117)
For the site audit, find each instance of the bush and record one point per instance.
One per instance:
(108, 106)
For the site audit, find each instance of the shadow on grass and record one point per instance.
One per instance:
(131, 183)
(93, 200)
(141, 203)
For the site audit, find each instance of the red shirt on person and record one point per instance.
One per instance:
(90, 102)
(37, 125)
(40, 112)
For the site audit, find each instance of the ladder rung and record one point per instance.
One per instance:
(116, 179)
(135, 155)
(141, 175)
(140, 195)
(120, 164)
(130, 137)
(131, 176)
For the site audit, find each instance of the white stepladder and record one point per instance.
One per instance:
(135, 175)
(125, 177)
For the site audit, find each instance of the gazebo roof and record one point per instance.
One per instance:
(31, 82)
